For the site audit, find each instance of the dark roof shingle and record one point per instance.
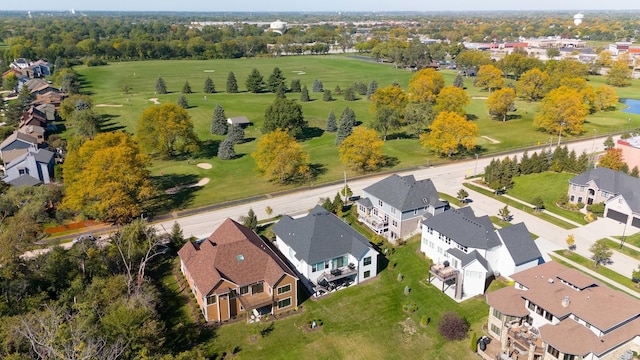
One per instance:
(405, 193)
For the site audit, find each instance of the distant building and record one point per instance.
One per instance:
(630, 151)
(278, 27)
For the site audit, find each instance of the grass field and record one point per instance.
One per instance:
(234, 179)
(361, 322)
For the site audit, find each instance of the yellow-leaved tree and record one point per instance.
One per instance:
(280, 158)
(107, 178)
(562, 110)
(452, 99)
(392, 97)
(606, 98)
(165, 130)
(425, 85)
(620, 73)
(449, 133)
(500, 102)
(362, 150)
(532, 84)
(489, 77)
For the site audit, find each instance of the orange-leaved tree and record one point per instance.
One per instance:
(613, 160)
(362, 150)
(449, 133)
(280, 158)
(562, 110)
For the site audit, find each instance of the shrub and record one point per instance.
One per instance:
(474, 342)
(580, 205)
(410, 307)
(563, 200)
(424, 321)
(452, 326)
(597, 209)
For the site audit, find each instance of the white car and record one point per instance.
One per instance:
(83, 237)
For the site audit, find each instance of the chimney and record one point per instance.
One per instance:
(565, 302)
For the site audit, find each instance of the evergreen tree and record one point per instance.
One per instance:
(609, 143)
(332, 126)
(582, 164)
(186, 89)
(326, 96)
(281, 92)
(182, 102)
(209, 87)
(276, 80)
(304, 94)
(360, 87)
(295, 85)
(572, 162)
(525, 164)
(458, 81)
(338, 204)
(347, 122)
(161, 86)
(635, 172)
(219, 121)
(232, 83)
(254, 81)
(373, 86)
(337, 90)
(226, 150)
(250, 220)
(176, 237)
(317, 86)
(328, 205)
(58, 64)
(350, 94)
(235, 134)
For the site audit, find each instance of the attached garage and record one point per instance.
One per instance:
(618, 216)
(635, 222)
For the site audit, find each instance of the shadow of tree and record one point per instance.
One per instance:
(311, 132)
(209, 148)
(317, 170)
(107, 125)
(390, 161)
(472, 117)
(174, 192)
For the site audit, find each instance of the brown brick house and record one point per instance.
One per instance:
(234, 271)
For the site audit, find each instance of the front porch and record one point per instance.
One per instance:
(256, 305)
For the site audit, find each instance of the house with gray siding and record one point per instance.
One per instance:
(394, 206)
(326, 252)
(31, 168)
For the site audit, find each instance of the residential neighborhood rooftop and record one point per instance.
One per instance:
(405, 193)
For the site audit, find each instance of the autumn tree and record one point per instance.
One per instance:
(563, 109)
(284, 114)
(232, 83)
(275, 80)
(605, 98)
(279, 158)
(500, 102)
(532, 84)
(620, 74)
(562, 71)
(452, 99)
(107, 178)
(450, 132)
(161, 86)
(362, 150)
(504, 213)
(571, 241)
(425, 85)
(392, 97)
(612, 159)
(165, 130)
(209, 86)
(219, 124)
(255, 83)
(489, 77)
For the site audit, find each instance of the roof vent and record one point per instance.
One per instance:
(565, 302)
(240, 257)
(550, 281)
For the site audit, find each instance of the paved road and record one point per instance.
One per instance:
(448, 179)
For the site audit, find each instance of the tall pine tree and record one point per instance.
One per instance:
(276, 79)
(254, 81)
(161, 86)
(373, 86)
(304, 94)
(209, 87)
(236, 134)
(219, 121)
(347, 122)
(232, 83)
(226, 150)
(332, 126)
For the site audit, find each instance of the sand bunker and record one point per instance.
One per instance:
(299, 72)
(109, 105)
(155, 101)
(209, 71)
(479, 97)
(202, 182)
(493, 141)
(205, 166)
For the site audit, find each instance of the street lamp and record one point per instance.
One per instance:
(623, 232)
(475, 171)
(562, 123)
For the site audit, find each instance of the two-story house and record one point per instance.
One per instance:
(555, 312)
(394, 206)
(327, 253)
(234, 271)
(617, 190)
(466, 250)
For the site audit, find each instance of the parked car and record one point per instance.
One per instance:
(83, 237)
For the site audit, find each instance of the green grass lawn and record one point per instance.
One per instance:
(235, 179)
(632, 239)
(615, 245)
(361, 322)
(528, 187)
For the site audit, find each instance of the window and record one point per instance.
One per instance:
(531, 306)
(576, 318)
(367, 274)
(244, 290)
(573, 187)
(257, 288)
(290, 253)
(496, 330)
(394, 223)
(553, 351)
(569, 357)
(430, 230)
(211, 299)
(232, 294)
(548, 316)
(463, 248)
(21, 171)
(539, 310)
(367, 260)
(379, 202)
(284, 289)
(497, 314)
(587, 325)
(573, 198)
(393, 210)
(284, 303)
(579, 199)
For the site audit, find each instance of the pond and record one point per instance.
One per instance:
(633, 106)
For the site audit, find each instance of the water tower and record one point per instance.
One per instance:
(577, 18)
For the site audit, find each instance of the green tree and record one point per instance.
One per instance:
(161, 86)
(326, 95)
(317, 86)
(209, 86)
(250, 220)
(219, 124)
(280, 158)
(276, 79)
(176, 237)
(284, 114)
(601, 254)
(304, 94)
(347, 122)
(235, 134)
(384, 120)
(232, 83)
(609, 143)
(360, 87)
(450, 133)
(462, 195)
(295, 85)
(373, 86)
(350, 94)
(107, 178)
(332, 126)
(166, 130)
(183, 102)
(553, 53)
(458, 81)
(538, 203)
(10, 82)
(362, 150)
(635, 276)
(500, 102)
(532, 85)
(186, 88)
(418, 117)
(504, 213)
(254, 82)
(67, 81)
(226, 150)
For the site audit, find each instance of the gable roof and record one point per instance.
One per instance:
(616, 182)
(40, 155)
(24, 180)
(463, 227)
(238, 120)
(18, 136)
(466, 259)
(233, 253)
(320, 235)
(519, 243)
(405, 193)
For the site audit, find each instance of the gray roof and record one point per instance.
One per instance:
(465, 258)
(519, 243)
(16, 135)
(365, 202)
(320, 235)
(405, 193)
(238, 120)
(463, 227)
(41, 156)
(615, 182)
(24, 180)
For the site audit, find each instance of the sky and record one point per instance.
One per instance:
(317, 5)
